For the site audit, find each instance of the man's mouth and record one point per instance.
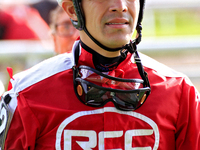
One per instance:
(117, 23)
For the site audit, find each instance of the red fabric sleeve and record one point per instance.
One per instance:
(21, 134)
(188, 123)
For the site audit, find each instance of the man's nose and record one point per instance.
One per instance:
(119, 5)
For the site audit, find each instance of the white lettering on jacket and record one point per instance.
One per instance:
(97, 139)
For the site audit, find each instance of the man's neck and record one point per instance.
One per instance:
(101, 62)
(86, 40)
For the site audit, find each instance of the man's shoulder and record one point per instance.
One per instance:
(160, 68)
(41, 71)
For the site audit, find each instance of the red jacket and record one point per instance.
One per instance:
(48, 115)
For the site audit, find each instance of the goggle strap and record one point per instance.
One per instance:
(142, 73)
(74, 68)
(76, 54)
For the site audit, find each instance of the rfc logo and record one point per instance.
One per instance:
(96, 140)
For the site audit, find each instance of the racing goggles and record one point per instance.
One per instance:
(95, 89)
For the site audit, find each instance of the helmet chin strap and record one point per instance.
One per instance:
(131, 47)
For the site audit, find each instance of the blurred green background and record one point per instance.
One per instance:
(172, 22)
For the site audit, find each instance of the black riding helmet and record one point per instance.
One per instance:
(80, 24)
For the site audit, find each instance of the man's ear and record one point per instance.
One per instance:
(68, 7)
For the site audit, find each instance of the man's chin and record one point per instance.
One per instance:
(117, 43)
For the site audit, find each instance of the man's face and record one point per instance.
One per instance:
(111, 22)
(65, 34)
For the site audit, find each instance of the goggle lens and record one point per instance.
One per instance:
(96, 89)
